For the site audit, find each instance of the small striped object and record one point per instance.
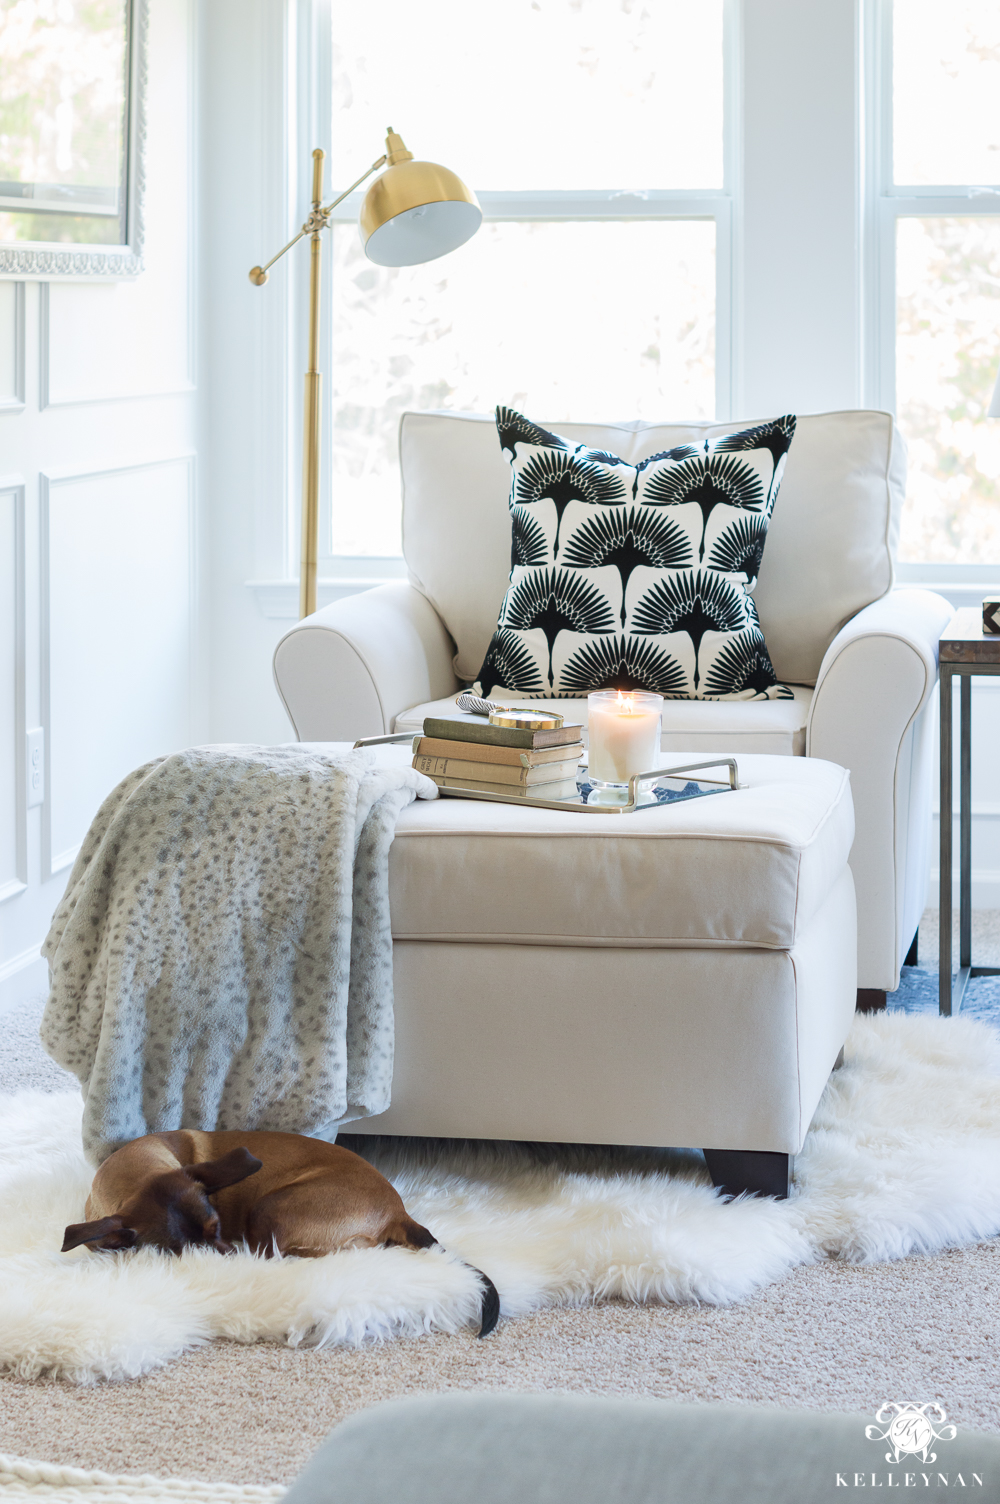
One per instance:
(991, 614)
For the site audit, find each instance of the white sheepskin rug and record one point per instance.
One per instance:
(903, 1156)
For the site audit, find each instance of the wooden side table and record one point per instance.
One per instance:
(964, 649)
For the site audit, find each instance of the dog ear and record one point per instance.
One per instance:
(110, 1231)
(217, 1174)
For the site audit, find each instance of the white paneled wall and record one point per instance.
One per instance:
(128, 534)
(11, 346)
(101, 647)
(13, 809)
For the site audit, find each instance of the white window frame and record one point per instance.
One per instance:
(345, 574)
(887, 203)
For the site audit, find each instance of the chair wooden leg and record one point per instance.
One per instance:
(911, 954)
(870, 1000)
(757, 1173)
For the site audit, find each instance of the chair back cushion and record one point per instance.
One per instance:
(830, 544)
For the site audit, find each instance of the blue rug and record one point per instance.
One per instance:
(918, 993)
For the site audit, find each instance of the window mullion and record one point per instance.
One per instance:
(724, 320)
(884, 394)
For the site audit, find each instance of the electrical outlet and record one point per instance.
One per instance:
(35, 766)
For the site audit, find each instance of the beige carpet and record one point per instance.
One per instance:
(829, 1337)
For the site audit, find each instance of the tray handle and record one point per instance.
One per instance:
(688, 767)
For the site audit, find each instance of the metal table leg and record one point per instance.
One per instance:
(944, 874)
(965, 846)
(964, 650)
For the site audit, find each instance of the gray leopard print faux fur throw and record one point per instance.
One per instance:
(222, 957)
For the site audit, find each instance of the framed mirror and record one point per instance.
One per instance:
(71, 137)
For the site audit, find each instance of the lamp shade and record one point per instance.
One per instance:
(993, 411)
(416, 211)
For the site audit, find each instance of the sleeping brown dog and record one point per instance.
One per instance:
(277, 1192)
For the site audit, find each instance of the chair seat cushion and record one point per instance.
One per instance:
(773, 726)
(742, 869)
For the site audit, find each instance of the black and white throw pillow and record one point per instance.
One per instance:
(636, 576)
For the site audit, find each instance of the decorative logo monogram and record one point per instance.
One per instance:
(909, 1431)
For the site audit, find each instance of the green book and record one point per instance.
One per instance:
(500, 736)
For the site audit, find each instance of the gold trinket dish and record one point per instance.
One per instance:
(526, 720)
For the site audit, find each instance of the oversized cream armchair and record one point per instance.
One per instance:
(860, 655)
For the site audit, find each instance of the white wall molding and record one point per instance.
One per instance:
(13, 489)
(15, 402)
(20, 962)
(45, 397)
(54, 862)
(23, 977)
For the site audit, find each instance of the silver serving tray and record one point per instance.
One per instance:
(691, 788)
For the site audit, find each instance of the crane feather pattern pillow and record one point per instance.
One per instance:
(636, 576)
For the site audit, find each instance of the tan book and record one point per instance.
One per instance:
(564, 789)
(461, 769)
(518, 757)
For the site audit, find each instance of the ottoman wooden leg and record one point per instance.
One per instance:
(760, 1174)
(870, 1000)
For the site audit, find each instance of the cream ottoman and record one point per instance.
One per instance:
(683, 976)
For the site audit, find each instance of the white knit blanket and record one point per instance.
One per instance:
(222, 957)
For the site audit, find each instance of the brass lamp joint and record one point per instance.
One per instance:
(318, 220)
(395, 149)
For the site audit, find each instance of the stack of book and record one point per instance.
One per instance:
(500, 759)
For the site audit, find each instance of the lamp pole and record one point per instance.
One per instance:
(314, 226)
(311, 405)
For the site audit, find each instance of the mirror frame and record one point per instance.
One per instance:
(47, 259)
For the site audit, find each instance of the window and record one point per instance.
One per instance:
(939, 269)
(598, 286)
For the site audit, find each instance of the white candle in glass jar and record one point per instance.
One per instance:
(624, 732)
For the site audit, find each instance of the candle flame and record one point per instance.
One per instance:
(626, 704)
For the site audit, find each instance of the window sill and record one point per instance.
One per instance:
(960, 584)
(279, 599)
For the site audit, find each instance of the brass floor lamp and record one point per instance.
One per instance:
(414, 212)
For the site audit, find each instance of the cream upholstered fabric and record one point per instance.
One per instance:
(682, 976)
(874, 712)
(777, 726)
(712, 1048)
(374, 662)
(741, 869)
(829, 547)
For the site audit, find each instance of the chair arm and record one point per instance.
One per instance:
(877, 678)
(348, 670)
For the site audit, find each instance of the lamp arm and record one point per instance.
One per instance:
(259, 273)
(367, 174)
(317, 221)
